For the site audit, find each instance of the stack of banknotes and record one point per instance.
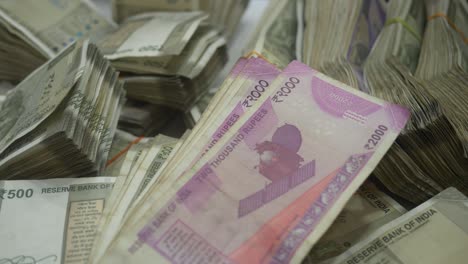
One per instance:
(224, 15)
(34, 31)
(253, 181)
(166, 58)
(387, 49)
(61, 119)
(430, 154)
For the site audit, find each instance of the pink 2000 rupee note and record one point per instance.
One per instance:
(273, 185)
(254, 77)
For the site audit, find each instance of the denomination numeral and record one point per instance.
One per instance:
(12, 194)
(256, 93)
(375, 137)
(286, 89)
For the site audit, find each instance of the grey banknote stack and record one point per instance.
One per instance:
(224, 15)
(61, 119)
(142, 164)
(166, 58)
(430, 155)
(33, 31)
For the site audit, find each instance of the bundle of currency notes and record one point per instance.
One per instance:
(255, 167)
(61, 119)
(225, 15)
(167, 58)
(310, 31)
(429, 155)
(142, 163)
(34, 31)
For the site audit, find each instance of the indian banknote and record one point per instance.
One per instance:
(367, 210)
(434, 232)
(54, 24)
(51, 221)
(34, 31)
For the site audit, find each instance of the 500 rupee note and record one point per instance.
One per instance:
(434, 232)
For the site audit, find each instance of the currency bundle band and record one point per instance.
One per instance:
(123, 151)
(450, 22)
(254, 53)
(398, 20)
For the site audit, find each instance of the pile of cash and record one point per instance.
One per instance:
(224, 15)
(61, 119)
(34, 31)
(340, 137)
(166, 58)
